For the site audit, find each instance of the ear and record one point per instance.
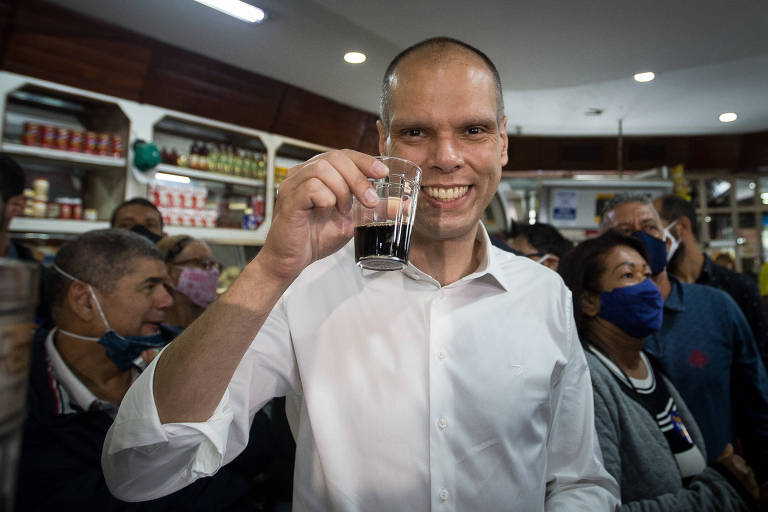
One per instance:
(590, 303)
(382, 137)
(504, 142)
(80, 303)
(552, 262)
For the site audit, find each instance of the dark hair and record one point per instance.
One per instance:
(99, 258)
(545, 238)
(443, 45)
(673, 207)
(582, 267)
(11, 178)
(134, 201)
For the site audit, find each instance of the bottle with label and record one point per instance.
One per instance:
(213, 158)
(237, 164)
(194, 156)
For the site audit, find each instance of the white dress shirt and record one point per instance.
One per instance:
(402, 396)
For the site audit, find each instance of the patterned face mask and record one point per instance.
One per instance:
(199, 285)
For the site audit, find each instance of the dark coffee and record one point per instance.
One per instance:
(382, 239)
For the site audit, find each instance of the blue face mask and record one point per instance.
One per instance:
(123, 351)
(637, 310)
(657, 251)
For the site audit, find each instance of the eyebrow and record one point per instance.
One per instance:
(151, 280)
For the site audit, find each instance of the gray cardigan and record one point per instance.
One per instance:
(638, 456)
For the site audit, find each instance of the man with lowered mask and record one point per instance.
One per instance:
(692, 265)
(140, 216)
(108, 303)
(457, 383)
(704, 345)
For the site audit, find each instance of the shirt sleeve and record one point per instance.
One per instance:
(144, 459)
(576, 478)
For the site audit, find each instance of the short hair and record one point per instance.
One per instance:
(12, 178)
(171, 246)
(137, 201)
(618, 200)
(582, 267)
(545, 238)
(99, 258)
(443, 45)
(673, 207)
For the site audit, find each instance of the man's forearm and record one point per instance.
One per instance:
(194, 371)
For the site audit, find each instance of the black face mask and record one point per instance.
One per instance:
(143, 231)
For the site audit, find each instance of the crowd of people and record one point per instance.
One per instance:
(624, 372)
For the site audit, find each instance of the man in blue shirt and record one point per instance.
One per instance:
(705, 346)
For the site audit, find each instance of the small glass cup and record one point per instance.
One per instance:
(383, 233)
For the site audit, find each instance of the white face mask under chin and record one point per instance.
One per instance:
(675, 241)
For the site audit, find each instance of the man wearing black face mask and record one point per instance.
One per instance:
(140, 216)
(705, 346)
(691, 265)
(108, 303)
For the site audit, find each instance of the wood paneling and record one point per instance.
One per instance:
(7, 8)
(369, 142)
(58, 45)
(189, 82)
(311, 117)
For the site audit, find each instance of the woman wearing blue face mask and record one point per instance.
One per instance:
(650, 442)
(193, 277)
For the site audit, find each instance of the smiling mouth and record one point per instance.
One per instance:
(445, 193)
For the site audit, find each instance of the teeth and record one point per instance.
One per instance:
(445, 194)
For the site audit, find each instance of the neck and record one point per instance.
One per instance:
(89, 362)
(623, 349)
(183, 312)
(662, 281)
(689, 269)
(446, 260)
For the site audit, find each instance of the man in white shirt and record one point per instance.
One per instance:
(457, 384)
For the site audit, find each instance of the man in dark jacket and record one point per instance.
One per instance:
(108, 302)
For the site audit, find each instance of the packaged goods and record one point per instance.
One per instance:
(48, 137)
(62, 138)
(31, 136)
(76, 141)
(103, 144)
(89, 145)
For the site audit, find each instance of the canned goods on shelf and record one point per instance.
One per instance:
(31, 136)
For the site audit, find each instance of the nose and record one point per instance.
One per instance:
(163, 299)
(447, 155)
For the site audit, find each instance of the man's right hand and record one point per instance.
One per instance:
(313, 214)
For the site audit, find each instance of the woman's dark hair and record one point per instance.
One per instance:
(582, 267)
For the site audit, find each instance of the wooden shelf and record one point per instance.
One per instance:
(208, 176)
(62, 156)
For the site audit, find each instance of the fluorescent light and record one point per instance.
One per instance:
(171, 177)
(646, 76)
(728, 117)
(354, 57)
(236, 8)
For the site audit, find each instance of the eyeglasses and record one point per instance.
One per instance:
(203, 263)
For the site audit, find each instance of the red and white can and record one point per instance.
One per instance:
(31, 135)
(48, 137)
(104, 144)
(62, 138)
(89, 145)
(76, 141)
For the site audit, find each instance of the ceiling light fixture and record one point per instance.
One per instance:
(646, 76)
(354, 57)
(728, 117)
(236, 8)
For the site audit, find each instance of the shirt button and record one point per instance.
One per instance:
(442, 423)
(441, 355)
(443, 495)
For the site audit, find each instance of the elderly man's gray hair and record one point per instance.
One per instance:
(618, 200)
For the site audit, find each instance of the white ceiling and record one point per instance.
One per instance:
(557, 59)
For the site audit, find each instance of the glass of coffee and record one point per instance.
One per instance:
(383, 233)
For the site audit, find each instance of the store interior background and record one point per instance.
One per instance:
(178, 72)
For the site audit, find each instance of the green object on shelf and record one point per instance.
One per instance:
(145, 155)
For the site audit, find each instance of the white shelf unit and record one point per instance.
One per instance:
(209, 176)
(142, 120)
(54, 226)
(58, 155)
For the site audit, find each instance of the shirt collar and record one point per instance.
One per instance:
(489, 265)
(80, 395)
(675, 301)
(706, 269)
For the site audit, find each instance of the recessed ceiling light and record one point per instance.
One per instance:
(237, 8)
(644, 77)
(354, 57)
(728, 117)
